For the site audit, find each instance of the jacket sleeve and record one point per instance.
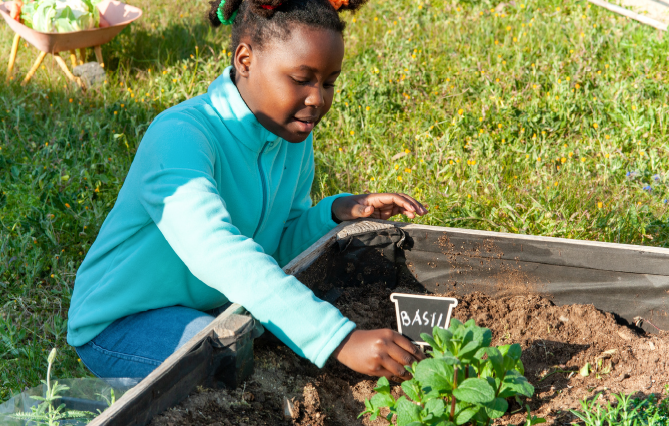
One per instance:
(305, 224)
(180, 195)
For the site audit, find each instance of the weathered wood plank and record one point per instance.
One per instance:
(172, 381)
(630, 14)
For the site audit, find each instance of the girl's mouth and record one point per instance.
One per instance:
(305, 125)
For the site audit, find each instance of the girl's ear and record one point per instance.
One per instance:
(243, 59)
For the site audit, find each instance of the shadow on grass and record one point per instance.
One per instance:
(143, 48)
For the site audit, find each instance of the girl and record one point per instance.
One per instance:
(217, 200)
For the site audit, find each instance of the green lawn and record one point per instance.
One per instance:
(540, 117)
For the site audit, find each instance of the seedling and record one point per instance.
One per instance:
(45, 413)
(463, 381)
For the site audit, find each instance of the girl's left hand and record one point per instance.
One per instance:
(378, 206)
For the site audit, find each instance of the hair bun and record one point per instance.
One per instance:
(265, 8)
(340, 5)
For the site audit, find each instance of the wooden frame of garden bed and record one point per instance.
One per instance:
(222, 352)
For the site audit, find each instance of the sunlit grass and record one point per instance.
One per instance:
(543, 117)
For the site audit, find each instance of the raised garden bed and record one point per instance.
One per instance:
(567, 303)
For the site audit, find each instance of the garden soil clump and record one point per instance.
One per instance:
(557, 342)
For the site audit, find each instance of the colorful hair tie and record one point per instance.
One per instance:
(338, 3)
(221, 15)
(269, 6)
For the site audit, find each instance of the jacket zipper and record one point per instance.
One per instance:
(264, 189)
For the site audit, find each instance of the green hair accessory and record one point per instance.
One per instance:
(221, 17)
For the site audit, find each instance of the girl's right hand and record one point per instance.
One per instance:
(378, 353)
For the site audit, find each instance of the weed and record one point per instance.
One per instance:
(628, 411)
(45, 413)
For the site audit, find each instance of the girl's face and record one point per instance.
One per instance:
(289, 84)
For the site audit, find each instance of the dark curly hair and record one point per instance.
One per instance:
(275, 19)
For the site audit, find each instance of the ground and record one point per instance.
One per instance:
(541, 117)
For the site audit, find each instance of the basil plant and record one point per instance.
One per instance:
(463, 380)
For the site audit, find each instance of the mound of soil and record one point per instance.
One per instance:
(557, 341)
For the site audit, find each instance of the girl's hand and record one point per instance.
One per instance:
(378, 353)
(378, 206)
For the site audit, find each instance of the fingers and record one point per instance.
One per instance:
(401, 357)
(407, 205)
(405, 344)
(361, 210)
(394, 370)
(420, 209)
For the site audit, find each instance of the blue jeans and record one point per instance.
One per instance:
(135, 345)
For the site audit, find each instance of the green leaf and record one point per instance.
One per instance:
(382, 386)
(407, 412)
(436, 407)
(442, 337)
(450, 360)
(496, 408)
(474, 339)
(496, 358)
(435, 374)
(380, 400)
(515, 384)
(475, 391)
(464, 415)
(469, 348)
(455, 325)
(428, 339)
(412, 389)
(444, 423)
(515, 351)
(487, 337)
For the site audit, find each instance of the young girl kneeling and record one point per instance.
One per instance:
(217, 200)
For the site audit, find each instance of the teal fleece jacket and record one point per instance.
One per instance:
(212, 207)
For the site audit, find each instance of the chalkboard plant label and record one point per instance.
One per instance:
(418, 314)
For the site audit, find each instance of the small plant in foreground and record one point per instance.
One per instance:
(464, 381)
(45, 413)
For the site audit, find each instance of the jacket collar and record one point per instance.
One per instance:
(236, 116)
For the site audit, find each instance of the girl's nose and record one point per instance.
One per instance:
(316, 97)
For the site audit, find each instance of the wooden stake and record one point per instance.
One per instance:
(98, 55)
(12, 56)
(35, 67)
(66, 70)
(82, 56)
(633, 15)
(73, 58)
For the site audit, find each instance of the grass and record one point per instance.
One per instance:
(541, 117)
(650, 410)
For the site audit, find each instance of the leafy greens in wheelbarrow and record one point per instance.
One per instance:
(60, 16)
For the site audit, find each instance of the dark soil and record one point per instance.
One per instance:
(556, 341)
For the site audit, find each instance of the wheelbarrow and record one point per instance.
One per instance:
(114, 17)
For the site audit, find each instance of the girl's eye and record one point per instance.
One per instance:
(329, 85)
(300, 82)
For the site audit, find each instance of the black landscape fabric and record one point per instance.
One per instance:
(632, 284)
